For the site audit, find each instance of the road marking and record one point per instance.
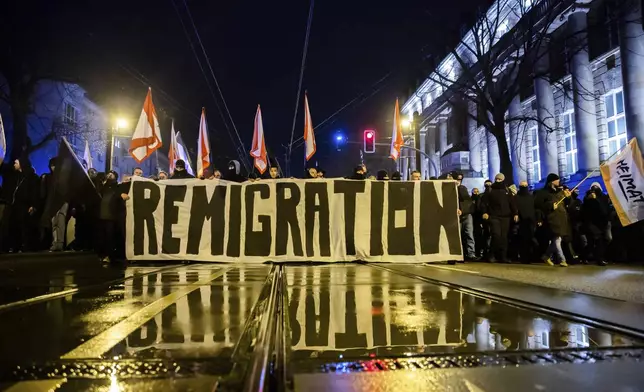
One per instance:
(453, 269)
(103, 342)
(65, 293)
(37, 385)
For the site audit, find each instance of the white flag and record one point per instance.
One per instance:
(3, 141)
(147, 135)
(87, 156)
(182, 153)
(203, 148)
(309, 136)
(172, 152)
(624, 179)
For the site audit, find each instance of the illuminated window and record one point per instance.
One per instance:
(615, 121)
(534, 150)
(570, 141)
(70, 114)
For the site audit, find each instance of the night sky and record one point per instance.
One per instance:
(116, 49)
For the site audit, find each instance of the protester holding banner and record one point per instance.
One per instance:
(180, 171)
(499, 208)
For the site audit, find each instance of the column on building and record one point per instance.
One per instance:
(474, 138)
(404, 154)
(546, 115)
(442, 130)
(517, 142)
(583, 87)
(631, 51)
(431, 150)
(424, 172)
(493, 159)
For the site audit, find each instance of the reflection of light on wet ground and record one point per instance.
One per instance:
(412, 317)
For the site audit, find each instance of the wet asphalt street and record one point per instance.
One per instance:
(69, 323)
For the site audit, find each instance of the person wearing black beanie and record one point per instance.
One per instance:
(551, 204)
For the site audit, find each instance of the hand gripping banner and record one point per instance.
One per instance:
(333, 220)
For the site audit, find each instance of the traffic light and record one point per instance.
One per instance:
(369, 141)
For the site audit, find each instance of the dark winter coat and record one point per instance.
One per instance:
(181, 174)
(20, 188)
(111, 201)
(525, 205)
(465, 203)
(499, 202)
(233, 173)
(596, 211)
(556, 221)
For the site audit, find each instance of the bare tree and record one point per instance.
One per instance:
(496, 61)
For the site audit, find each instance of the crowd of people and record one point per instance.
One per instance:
(553, 225)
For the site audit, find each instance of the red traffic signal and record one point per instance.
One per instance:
(369, 141)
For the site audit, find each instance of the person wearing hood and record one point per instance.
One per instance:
(396, 176)
(180, 171)
(358, 173)
(109, 216)
(321, 173)
(499, 208)
(596, 219)
(233, 173)
(483, 242)
(528, 244)
(551, 202)
(24, 187)
(382, 175)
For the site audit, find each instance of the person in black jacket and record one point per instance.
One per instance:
(24, 187)
(596, 217)
(233, 173)
(109, 217)
(499, 208)
(180, 171)
(528, 244)
(550, 201)
(466, 211)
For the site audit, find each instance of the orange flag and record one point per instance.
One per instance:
(397, 140)
(147, 135)
(203, 149)
(309, 136)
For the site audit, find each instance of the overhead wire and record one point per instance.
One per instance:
(212, 73)
(300, 140)
(209, 84)
(302, 67)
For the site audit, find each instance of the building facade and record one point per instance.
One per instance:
(586, 108)
(66, 110)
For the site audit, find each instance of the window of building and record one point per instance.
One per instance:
(534, 150)
(570, 141)
(71, 114)
(615, 121)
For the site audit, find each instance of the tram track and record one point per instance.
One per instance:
(64, 293)
(514, 302)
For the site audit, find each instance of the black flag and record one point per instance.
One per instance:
(71, 184)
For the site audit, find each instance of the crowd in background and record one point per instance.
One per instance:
(553, 225)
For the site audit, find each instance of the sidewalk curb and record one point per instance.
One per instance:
(44, 255)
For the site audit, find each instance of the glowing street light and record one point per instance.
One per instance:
(406, 123)
(121, 123)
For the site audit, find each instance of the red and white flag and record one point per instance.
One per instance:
(203, 150)
(147, 135)
(258, 150)
(172, 152)
(397, 140)
(309, 136)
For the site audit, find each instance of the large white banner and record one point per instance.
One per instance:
(293, 220)
(624, 179)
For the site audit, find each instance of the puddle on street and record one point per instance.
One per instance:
(358, 311)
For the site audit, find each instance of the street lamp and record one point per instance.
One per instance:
(119, 124)
(406, 123)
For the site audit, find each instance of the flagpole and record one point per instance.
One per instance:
(593, 172)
